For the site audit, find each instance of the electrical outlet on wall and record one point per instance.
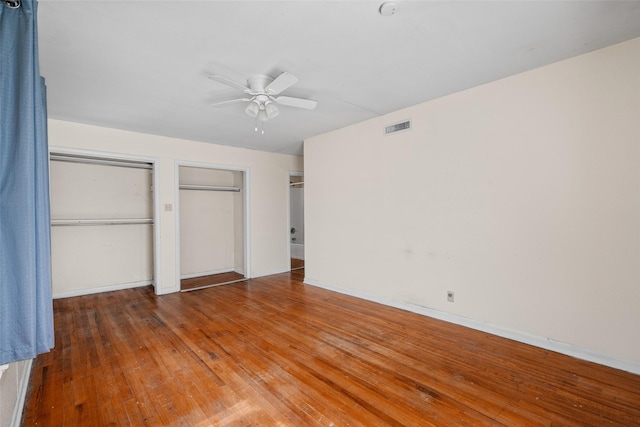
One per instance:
(450, 296)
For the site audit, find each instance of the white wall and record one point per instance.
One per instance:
(522, 196)
(267, 174)
(14, 379)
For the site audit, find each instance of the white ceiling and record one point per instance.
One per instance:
(143, 65)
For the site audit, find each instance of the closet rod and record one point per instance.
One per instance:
(208, 187)
(296, 183)
(98, 161)
(119, 221)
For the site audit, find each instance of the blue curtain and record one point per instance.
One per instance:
(26, 311)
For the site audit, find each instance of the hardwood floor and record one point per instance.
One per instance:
(297, 264)
(272, 351)
(210, 280)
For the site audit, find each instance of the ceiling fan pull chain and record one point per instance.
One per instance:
(259, 124)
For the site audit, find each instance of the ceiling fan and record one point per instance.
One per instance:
(261, 94)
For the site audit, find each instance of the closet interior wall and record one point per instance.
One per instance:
(211, 221)
(102, 225)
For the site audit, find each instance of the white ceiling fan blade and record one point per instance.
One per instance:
(229, 82)
(282, 82)
(309, 104)
(230, 101)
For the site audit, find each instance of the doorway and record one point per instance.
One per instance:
(296, 220)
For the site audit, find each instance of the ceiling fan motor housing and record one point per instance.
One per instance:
(258, 83)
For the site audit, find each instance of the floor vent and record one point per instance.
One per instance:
(397, 127)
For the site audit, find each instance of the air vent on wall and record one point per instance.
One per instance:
(397, 127)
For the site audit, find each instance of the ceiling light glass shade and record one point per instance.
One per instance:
(272, 110)
(252, 109)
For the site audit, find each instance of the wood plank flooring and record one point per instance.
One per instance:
(297, 264)
(210, 280)
(272, 351)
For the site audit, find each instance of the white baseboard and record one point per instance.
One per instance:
(89, 291)
(23, 385)
(523, 337)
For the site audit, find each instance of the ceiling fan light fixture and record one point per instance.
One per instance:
(271, 110)
(252, 109)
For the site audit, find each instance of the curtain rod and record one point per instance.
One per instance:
(11, 4)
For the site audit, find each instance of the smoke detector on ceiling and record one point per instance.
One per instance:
(388, 8)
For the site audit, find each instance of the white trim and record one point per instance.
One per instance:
(523, 337)
(247, 224)
(108, 288)
(176, 222)
(155, 182)
(207, 273)
(23, 385)
(157, 222)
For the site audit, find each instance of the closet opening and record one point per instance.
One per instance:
(102, 223)
(296, 220)
(212, 231)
